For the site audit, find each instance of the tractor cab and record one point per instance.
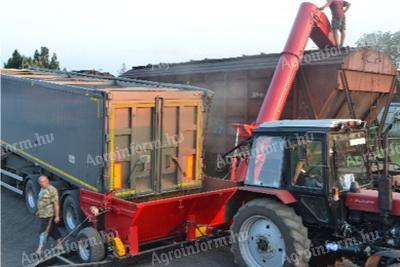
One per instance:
(316, 161)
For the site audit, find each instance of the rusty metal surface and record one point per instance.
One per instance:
(240, 85)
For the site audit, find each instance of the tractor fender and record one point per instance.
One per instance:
(283, 196)
(245, 194)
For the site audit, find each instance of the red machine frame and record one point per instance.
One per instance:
(138, 223)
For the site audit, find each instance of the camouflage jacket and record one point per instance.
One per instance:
(47, 197)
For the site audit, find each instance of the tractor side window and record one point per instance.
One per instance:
(307, 164)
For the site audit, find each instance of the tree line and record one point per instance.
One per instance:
(40, 59)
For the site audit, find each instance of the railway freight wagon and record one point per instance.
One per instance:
(102, 134)
(331, 83)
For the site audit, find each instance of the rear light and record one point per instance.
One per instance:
(190, 167)
(336, 194)
(117, 175)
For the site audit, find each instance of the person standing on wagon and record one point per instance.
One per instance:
(338, 9)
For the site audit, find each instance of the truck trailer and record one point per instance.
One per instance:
(102, 134)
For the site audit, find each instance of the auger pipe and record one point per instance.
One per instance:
(309, 23)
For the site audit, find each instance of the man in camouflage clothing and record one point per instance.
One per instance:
(48, 212)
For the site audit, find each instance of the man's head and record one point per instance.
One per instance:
(44, 181)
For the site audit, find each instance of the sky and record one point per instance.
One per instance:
(103, 35)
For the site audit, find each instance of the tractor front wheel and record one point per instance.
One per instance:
(268, 233)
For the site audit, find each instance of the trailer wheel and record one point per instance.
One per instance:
(31, 192)
(268, 233)
(72, 213)
(91, 246)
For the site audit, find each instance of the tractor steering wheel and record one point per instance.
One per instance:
(315, 179)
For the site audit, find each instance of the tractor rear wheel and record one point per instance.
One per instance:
(268, 233)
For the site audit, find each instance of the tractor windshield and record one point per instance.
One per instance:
(266, 159)
(349, 158)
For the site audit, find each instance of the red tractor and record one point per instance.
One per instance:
(308, 182)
